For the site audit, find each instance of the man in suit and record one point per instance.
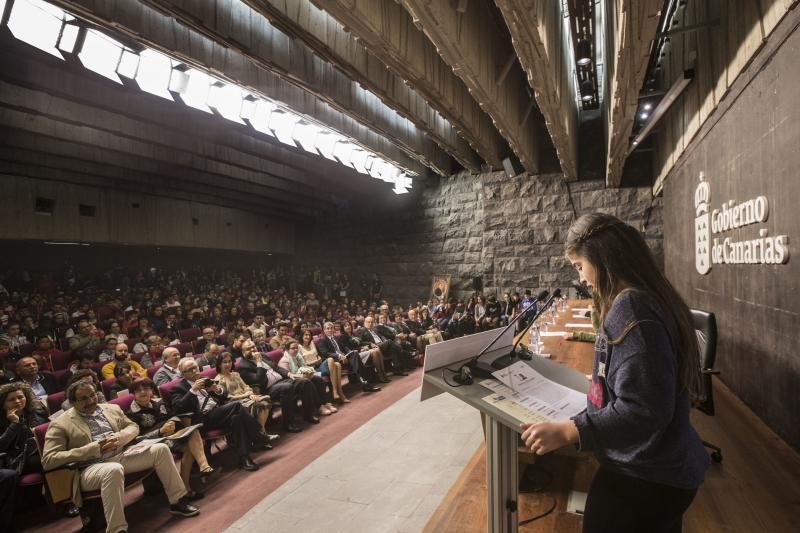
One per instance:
(208, 403)
(395, 332)
(258, 371)
(328, 347)
(369, 336)
(27, 370)
(424, 336)
(95, 432)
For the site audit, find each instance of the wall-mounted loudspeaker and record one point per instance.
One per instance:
(512, 167)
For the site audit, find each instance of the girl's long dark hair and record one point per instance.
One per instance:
(623, 261)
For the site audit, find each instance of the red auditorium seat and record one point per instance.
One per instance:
(189, 335)
(106, 384)
(55, 400)
(26, 349)
(124, 402)
(185, 348)
(61, 359)
(275, 355)
(316, 331)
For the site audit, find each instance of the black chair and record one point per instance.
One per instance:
(705, 326)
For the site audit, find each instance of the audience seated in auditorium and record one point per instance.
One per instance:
(85, 337)
(278, 341)
(210, 355)
(124, 379)
(45, 348)
(208, 337)
(330, 348)
(42, 384)
(425, 335)
(89, 376)
(370, 337)
(259, 406)
(110, 349)
(294, 362)
(121, 356)
(208, 404)
(155, 420)
(84, 360)
(268, 378)
(13, 337)
(98, 432)
(349, 342)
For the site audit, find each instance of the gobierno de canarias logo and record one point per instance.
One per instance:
(711, 248)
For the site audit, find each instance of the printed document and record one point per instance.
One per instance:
(525, 387)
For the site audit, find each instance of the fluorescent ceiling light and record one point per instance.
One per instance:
(101, 54)
(281, 122)
(69, 36)
(154, 73)
(193, 86)
(38, 24)
(227, 100)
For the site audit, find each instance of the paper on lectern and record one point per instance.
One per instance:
(523, 385)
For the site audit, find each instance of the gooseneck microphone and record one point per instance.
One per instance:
(474, 368)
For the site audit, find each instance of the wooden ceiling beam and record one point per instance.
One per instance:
(327, 37)
(632, 26)
(539, 38)
(470, 43)
(387, 30)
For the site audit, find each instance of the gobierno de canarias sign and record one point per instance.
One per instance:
(715, 245)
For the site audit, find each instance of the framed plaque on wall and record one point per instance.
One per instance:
(440, 287)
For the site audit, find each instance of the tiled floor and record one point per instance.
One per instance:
(387, 476)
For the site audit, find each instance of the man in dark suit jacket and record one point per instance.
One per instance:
(208, 403)
(42, 384)
(389, 348)
(328, 347)
(259, 371)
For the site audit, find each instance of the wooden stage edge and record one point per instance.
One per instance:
(755, 488)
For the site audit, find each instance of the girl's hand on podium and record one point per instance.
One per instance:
(544, 437)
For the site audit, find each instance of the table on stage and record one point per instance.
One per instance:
(568, 364)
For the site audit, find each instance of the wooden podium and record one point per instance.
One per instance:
(502, 429)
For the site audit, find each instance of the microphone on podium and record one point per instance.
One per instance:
(475, 368)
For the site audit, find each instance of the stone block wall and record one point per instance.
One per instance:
(509, 231)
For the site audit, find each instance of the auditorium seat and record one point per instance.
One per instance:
(61, 359)
(55, 400)
(189, 335)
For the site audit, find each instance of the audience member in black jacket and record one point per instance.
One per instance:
(21, 412)
(258, 371)
(40, 383)
(493, 310)
(370, 337)
(215, 412)
(348, 342)
(329, 347)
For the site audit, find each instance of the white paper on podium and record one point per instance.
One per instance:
(524, 386)
(551, 333)
(575, 325)
(580, 309)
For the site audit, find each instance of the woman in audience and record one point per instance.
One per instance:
(296, 364)
(44, 353)
(238, 390)
(478, 314)
(348, 342)
(21, 412)
(88, 375)
(108, 352)
(122, 372)
(156, 421)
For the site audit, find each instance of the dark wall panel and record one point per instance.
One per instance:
(157, 221)
(751, 151)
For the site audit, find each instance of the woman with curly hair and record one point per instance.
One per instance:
(21, 412)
